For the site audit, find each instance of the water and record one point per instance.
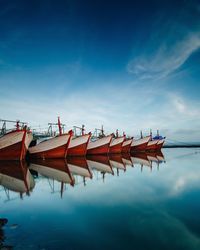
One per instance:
(140, 207)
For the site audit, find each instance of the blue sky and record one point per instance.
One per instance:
(129, 65)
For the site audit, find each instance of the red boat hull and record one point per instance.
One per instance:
(126, 147)
(141, 147)
(101, 150)
(59, 152)
(159, 146)
(11, 150)
(79, 150)
(78, 146)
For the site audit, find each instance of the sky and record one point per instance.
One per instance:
(128, 65)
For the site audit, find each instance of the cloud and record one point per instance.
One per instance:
(165, 60)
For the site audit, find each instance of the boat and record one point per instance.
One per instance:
(54, 147)
(152, 145)
(99, 145)
(79, 166)
(78, 144)
(126, 145)
(161, 141)
(14, 144)
(116, 144)
(140, 144)
(15, 176)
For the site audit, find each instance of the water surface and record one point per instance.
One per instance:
(143, 202)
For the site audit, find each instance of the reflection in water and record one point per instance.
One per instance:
(54, 169)
(15, 176)
(148, 210)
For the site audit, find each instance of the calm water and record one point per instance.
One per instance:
(153, 205)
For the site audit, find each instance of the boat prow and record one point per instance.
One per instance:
(55, 147)
(78, 145)
(14, 144)
(100, 146)
(116, 145)
(140, 144)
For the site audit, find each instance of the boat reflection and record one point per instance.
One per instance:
(15, 176)
(147, 159)
(53, 169)
(116, 162)
(100, 163)
(126, 158)
(78, 167)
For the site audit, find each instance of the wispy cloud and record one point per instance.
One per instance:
(166, 59)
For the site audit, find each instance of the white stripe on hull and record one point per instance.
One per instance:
(99, 142)
(78, 141)
(11, 139)
(51, 143)
(127, 142)
(140, 141)
(116, 141)
(160, 141)
(153, 142)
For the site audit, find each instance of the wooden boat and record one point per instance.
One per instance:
(55, 147)
(126, 145)
(78, 144)
(55, 169)
(100, 146)
(79, 166)
(152, 145)
(100, 163)
(140, 144)
(160, 144)
(14, 144)
(116, 145)
(15, 176)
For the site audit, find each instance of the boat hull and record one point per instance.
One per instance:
(160, 144)
(99, 147)
(140, 145)
(13, 145)
(116, 145)
(126, 146)
(55, 147)
(152, 145)
(78, 146)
